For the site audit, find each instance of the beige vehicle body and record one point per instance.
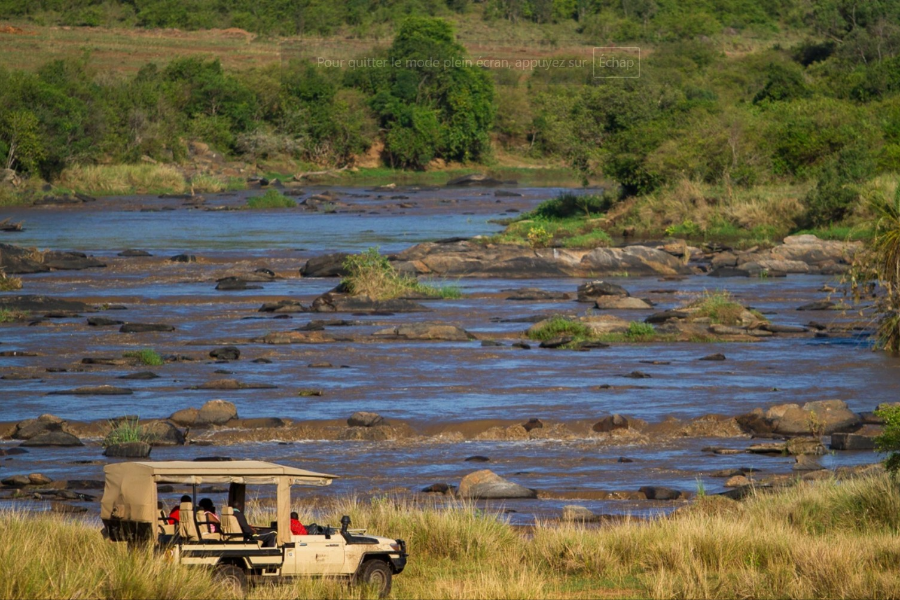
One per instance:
(129, 512)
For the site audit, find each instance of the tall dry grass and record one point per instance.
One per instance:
(774, 208)
(122, 179)
(825, 539)
(51, 556)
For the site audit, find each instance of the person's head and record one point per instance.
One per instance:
(185, 498)
(207, 505)
(159, 504)
(295, 516)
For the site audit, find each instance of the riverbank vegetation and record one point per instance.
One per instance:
(822, 539)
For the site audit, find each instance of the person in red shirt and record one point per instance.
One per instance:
(173, 516)
(297, 527)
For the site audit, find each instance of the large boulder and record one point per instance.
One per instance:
(819, 418)
(426, 331)
(53, 438)
(487, 485)
(635, 260)
(216, 412)
(329, 265)
(163, 433)
(610, 423)
(185, 417)
(365, 419)
(15, 260)
(25, 430)
(590, 291)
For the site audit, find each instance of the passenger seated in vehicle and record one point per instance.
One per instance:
(297, 527)
(173, 516)
(250, 534)
(210, 517)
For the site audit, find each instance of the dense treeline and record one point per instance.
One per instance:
(65, 114)
(601, 20)
(825, 110)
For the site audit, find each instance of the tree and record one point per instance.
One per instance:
(433, 102)
(20, 130)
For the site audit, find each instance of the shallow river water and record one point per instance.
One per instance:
(427, 385)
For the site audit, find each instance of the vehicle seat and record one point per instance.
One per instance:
(231, 529)
(165, 528)
(187, 527)
(204, 528)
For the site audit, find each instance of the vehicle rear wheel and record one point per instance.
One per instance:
(232, 577)
(378, 575)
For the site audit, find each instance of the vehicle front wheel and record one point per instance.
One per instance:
(378, 575)
(231, 577)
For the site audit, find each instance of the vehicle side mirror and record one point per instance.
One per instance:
(345, 523)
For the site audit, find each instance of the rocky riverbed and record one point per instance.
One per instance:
(260, 360)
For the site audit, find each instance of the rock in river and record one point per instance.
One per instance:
(103, 322)
(329, 265)
(426, 331)
(128, 450)
(235, 284)
(145, 327)
(365, 419)
(335, 302)
(94, 390)
(621, 303)
(162, 433)
(655, 492)
(41, 304)
(29, 428)
(53, 438)
(822, 417)
(590, 291)
(487, 485)
(226, 353)
(216, 412)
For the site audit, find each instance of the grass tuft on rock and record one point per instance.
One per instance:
(719, 307)
(372, 274)
(147, 356)
(9, 283)
(271, 199)
(559, 326)
(125, 431)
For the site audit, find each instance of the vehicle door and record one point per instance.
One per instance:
(316, 554)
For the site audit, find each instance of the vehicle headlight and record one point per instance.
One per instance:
(395, 547)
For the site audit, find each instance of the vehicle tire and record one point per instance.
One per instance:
(377, 574)
(231, 576)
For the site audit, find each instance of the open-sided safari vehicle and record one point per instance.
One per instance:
(131, 513)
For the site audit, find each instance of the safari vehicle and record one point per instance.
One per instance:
(130, 513)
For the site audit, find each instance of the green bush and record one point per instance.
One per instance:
(572, 205)
(271, 199)
(147, 356)
(559, 327)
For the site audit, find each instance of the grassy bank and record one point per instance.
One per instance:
(825, 539)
